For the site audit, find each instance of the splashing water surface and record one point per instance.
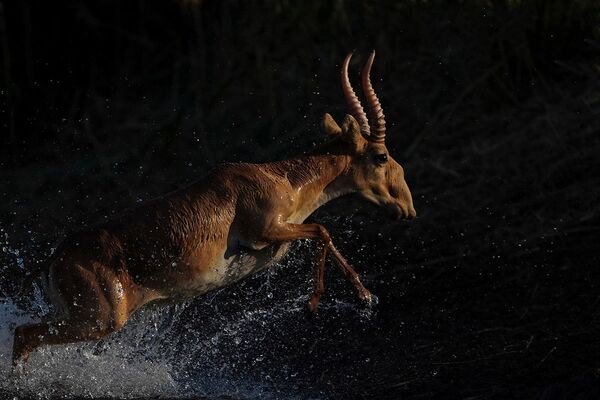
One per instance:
(224, 344)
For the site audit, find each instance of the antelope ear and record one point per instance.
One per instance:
(351, 130)
(330, 126)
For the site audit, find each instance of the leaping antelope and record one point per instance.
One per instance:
(238, 220)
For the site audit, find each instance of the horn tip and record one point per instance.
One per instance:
(348, 57)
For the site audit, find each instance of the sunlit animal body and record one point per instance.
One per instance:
(238, 220)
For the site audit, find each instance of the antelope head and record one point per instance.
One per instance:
(371, 171)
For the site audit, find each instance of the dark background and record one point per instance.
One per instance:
(492, 108)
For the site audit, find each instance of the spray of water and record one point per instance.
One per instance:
(211, 347)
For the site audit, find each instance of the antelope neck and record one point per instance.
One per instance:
(318, 179)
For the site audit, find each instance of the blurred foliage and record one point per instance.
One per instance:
(216, 75)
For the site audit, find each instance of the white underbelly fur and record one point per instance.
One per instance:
(240, 259)
(235, 264)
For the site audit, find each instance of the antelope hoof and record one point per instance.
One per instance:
(19, 357)
(313, 304)
(18, 370)
(368, 298)
(373, 302)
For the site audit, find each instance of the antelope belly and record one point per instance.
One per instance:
(244, 261)
(236, 264)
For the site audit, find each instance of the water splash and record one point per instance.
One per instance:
(220, 345)
(132, 363)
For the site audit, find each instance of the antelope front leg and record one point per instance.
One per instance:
(318, 284)
(289, 232)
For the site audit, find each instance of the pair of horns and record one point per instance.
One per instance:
(356, 109)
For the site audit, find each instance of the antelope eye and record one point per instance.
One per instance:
(380, 158)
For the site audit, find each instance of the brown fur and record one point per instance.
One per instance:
(234, 222)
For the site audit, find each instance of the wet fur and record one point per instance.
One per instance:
(236, 221)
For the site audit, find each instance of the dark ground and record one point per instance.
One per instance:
(493, 110)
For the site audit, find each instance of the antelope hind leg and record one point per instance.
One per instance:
(93, 302)
(29, 337)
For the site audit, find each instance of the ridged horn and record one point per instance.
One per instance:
(356, 109)
(375, 109)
